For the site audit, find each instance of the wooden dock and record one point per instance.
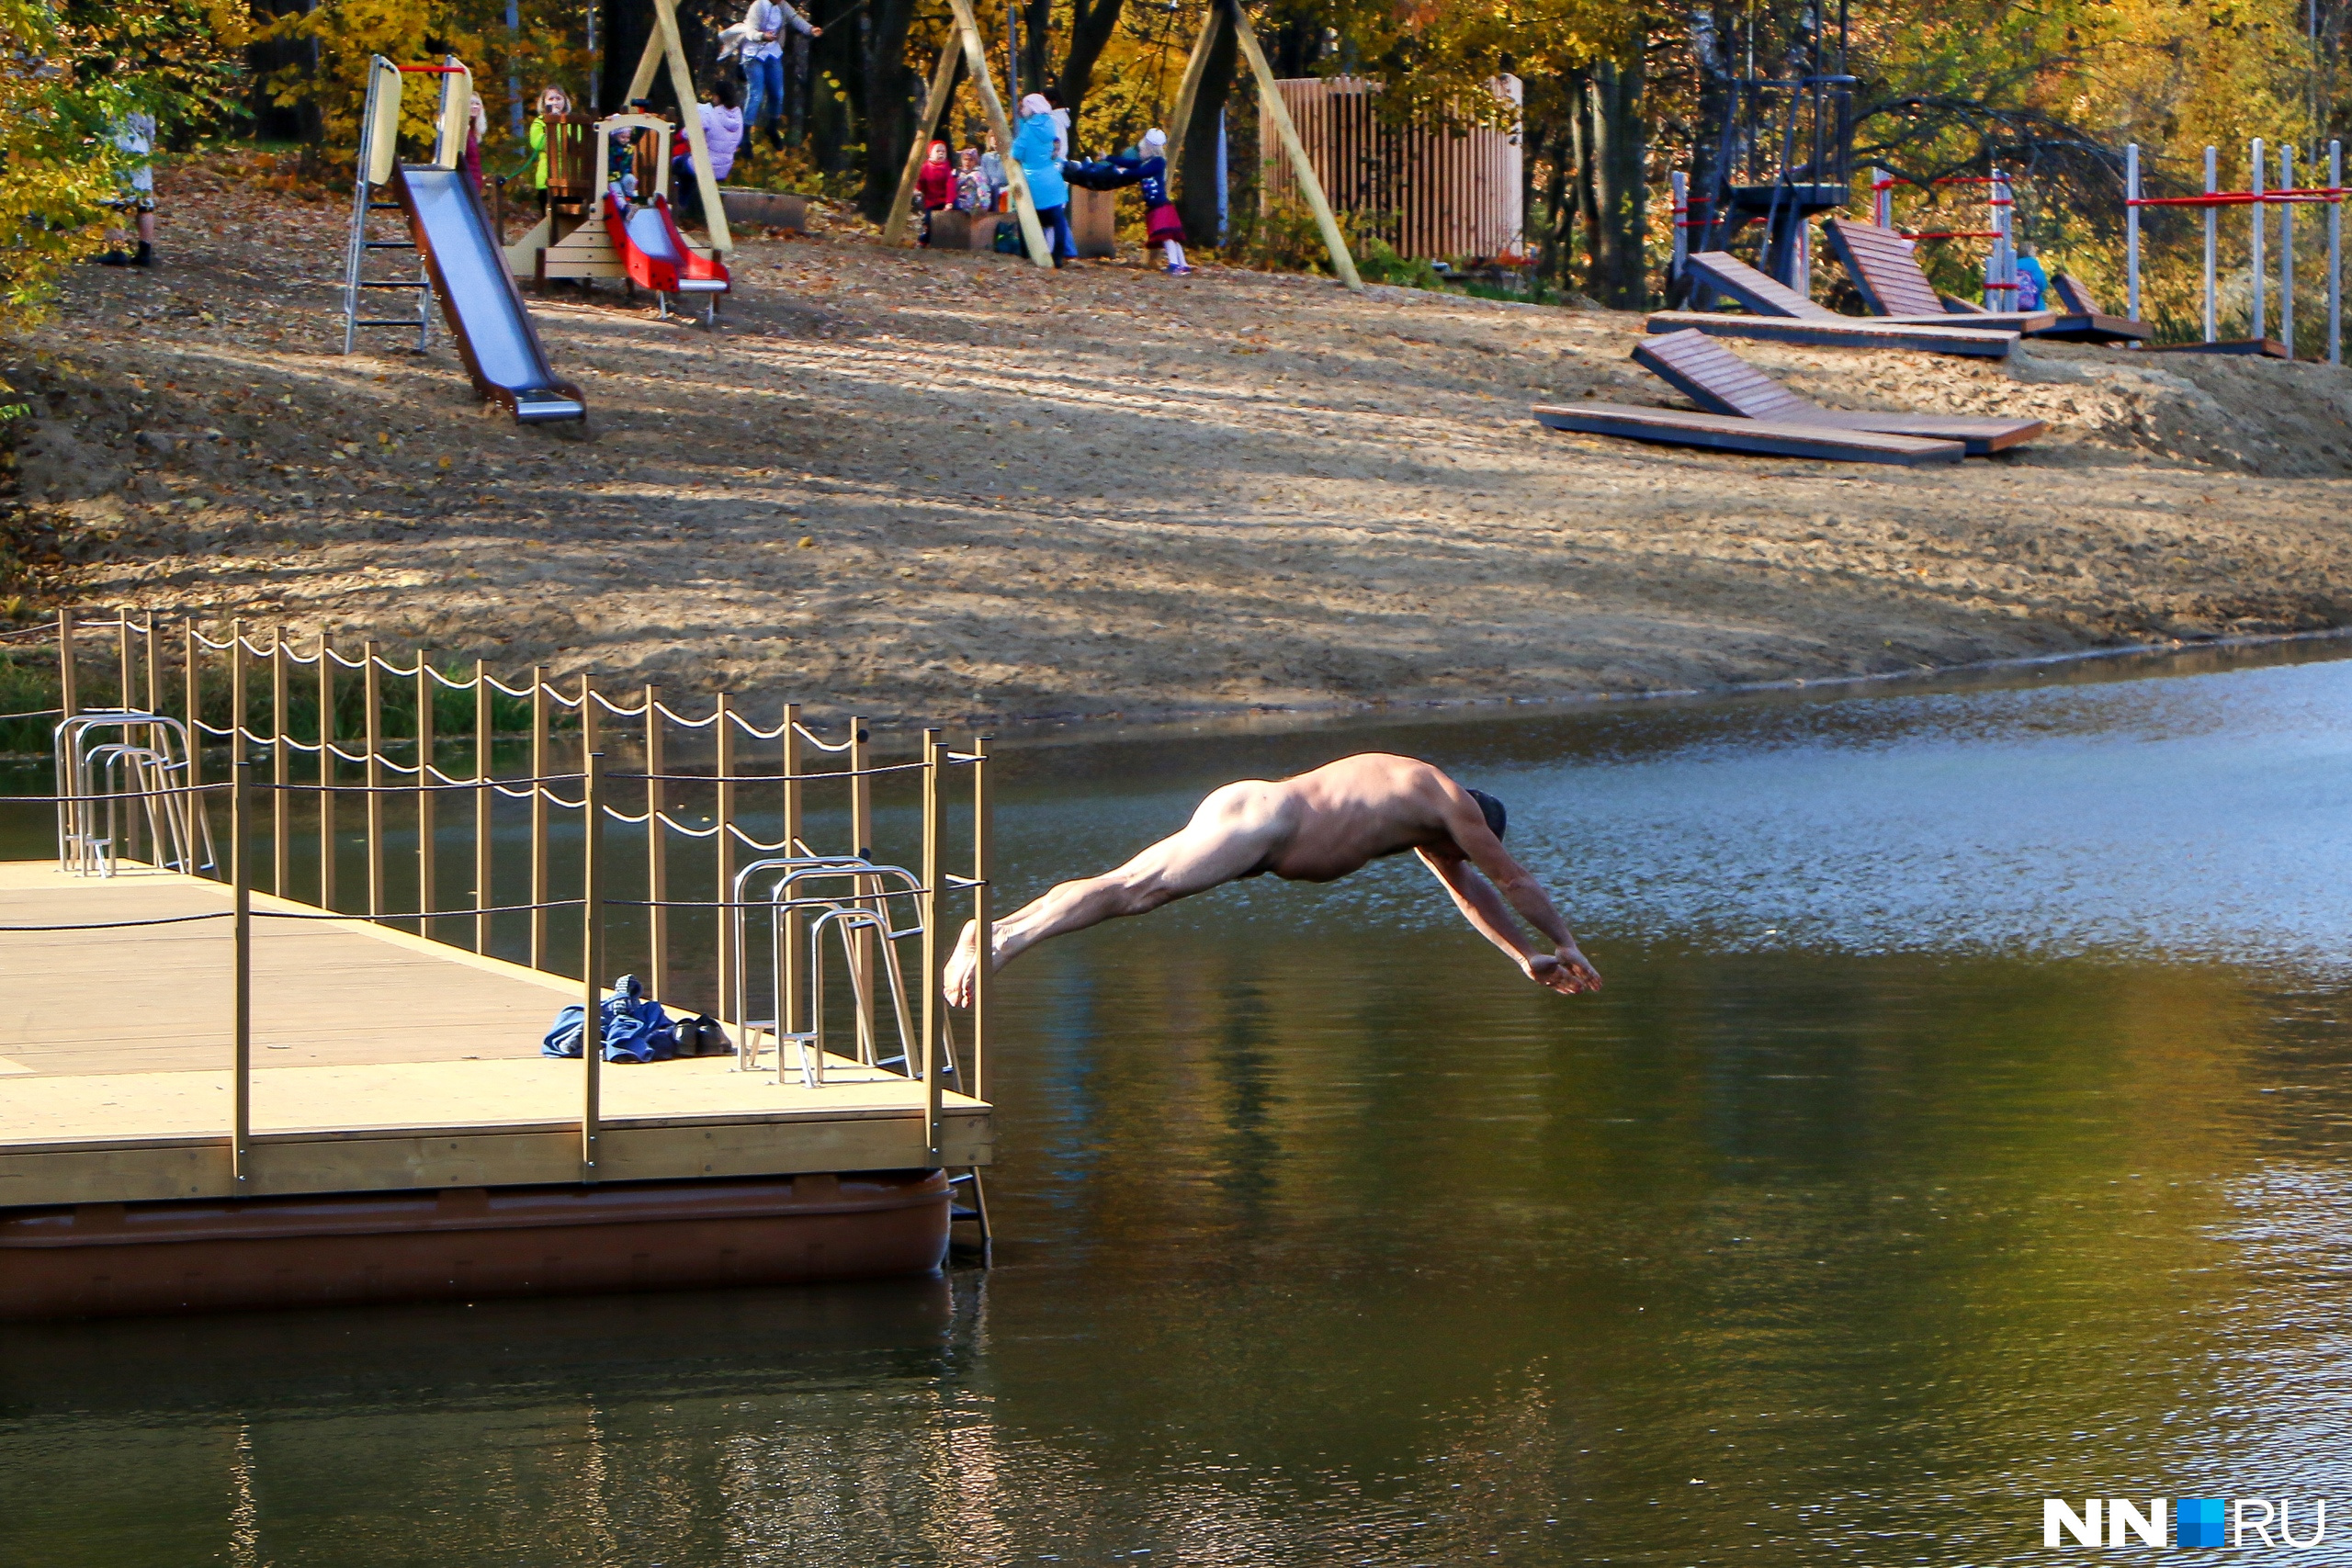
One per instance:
(382, 1062)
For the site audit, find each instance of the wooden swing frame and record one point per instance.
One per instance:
(1222, 14)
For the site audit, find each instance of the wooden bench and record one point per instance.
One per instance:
(1730, 432)
(1720, 382)
(1887, 274)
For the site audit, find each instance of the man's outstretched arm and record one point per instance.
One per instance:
(1563, 967)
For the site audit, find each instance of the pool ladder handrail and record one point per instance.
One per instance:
(148, 764)
(863, 910)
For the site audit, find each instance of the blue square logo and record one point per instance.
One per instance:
(2198, 1521)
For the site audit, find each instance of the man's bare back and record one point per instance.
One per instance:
(1317, 827)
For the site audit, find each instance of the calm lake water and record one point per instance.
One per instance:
(1964, 1124)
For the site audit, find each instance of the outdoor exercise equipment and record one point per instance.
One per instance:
(589, 231)
(457, 248)
(1784, 152)
(2258, 198)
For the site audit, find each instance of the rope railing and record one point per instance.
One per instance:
(175, 678)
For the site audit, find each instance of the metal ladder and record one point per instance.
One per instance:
(378, 147)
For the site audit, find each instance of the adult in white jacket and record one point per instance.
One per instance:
(760, 35)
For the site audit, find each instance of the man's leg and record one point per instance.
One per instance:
(755, 84)
(1230, 835)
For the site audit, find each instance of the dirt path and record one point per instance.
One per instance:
(948, 484)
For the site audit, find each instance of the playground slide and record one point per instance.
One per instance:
(655, 254)
(478, 298)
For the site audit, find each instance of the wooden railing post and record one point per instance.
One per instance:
(67, 699)
(861, 836)
(484, 798)
(789, 980)
(241, 1027)
(281, 770)
(657, 851)
(983, 923)
(934, 867)
(725, 841)
(427, 868)
(539, 815)
(129, 683)
(592, 959)
(373, 694)
(192, 695)
(326, 772)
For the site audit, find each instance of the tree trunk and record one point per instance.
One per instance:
(1615, 158)
(1198, 191)
(889, 118)
(1557, 207)
(1091, 30)
(1036, 49)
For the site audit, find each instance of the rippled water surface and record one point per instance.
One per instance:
(1963, 1124)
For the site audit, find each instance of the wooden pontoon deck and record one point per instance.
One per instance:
(382, 1062)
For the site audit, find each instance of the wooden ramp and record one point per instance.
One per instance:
(1834, 331)
(1727, 433)
(1887, 274)
(1768, 297)
(382, 1062)
(1720, 382)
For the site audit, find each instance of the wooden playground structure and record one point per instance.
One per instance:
(965, 50)
(312, 973)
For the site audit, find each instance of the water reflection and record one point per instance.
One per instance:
(1963, 1124)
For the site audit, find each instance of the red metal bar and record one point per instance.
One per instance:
(431, 69)
(2331, 194)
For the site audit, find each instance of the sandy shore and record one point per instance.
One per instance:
(947, 484)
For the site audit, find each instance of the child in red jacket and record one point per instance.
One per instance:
(934, 186)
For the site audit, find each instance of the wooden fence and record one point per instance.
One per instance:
(1428, 191)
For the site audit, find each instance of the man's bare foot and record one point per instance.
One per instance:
(962, 965)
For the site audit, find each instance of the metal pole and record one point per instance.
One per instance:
(1680, 183)
(241, 885)
(2335, 252)
(373, 696)
(427, 869)
(540, 814)
(2261, 267)
(983, 920)
(484, 798)
(789, 977)
(934, 757)
(326, 773)
(2212, 157)
(281, 770)
(657, 850)
(2287, 250)
(725, 841)
(861, 834)
(591, 958)
(1881, 198)
(2132, 230)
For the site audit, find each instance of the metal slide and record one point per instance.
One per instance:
(478, 298)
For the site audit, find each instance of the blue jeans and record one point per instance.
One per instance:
(1054, 220)
(763, 90)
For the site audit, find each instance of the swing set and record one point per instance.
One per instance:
(1222, 15)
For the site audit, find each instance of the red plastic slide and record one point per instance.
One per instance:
(655, 254)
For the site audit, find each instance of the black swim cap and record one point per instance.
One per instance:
(1495, 816)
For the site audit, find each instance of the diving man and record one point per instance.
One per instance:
(1317, 827)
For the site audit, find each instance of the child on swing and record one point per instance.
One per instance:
(1161, 226)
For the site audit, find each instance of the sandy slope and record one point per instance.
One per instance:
(1107, 490)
